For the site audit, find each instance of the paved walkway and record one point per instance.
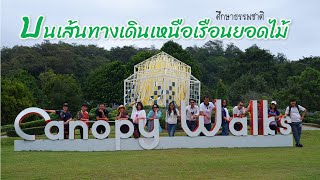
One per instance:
(306, 127)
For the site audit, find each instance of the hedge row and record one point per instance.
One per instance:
(312, 120)
(33, 130)
(6, 128)
(31, 124)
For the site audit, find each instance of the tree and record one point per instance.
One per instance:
(30, 82)
(141, 56)
(15, 97)
(232, 51)
(214, 48)
(256, 60)
(252, 73)
(176, 50)
(305, 88)
(254, 95)
(221, 91)
(60, 88)
(281, 58)
(122, 53)
(21, 57)
(105, 84)
(248, 83)
(206, 91)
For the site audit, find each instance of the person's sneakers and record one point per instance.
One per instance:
(299, 145)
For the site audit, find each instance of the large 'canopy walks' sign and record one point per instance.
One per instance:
(151, 140)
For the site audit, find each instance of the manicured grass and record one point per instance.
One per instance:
(220, 163)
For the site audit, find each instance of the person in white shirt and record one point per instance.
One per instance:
(172, 119)
(240, 112)
(192, 114)
(138, 114)
(206, 108)
(294, 112)
(225, 119)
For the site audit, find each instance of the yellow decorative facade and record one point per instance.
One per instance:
(161, 79)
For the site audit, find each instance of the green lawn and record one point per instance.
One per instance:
(220, 163)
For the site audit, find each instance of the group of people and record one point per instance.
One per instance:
(83, 115)
(138, 113)
(192, 113)
(207, 107)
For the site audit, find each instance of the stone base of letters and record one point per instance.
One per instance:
(165, 143)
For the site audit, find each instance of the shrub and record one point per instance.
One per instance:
(31, 124)
(6, 128)
(33, 130)
(36, 123)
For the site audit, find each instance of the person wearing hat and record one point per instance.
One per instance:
(273, 112)
(122, 115)
(83, 115)
(64, 115)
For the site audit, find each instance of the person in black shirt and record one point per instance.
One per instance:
(64, 115)
(101, 114)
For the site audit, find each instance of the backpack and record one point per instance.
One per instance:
(291, 107)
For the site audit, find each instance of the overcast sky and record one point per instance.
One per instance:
(303, 39)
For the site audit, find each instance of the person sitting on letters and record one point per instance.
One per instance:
(83, 115)
(239, 112)
(101, 114)
(64, 115)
